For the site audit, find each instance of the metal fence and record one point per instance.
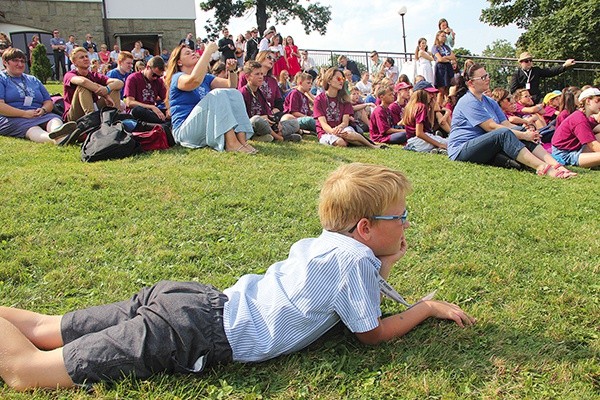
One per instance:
(500, 69)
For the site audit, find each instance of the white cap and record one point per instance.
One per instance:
(588, 93)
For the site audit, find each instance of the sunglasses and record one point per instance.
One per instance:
(340, 79)
(527, 61)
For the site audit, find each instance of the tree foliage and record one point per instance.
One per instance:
(41, 67)
(500, 70)
(462, 52)
(314, 17)
(555, 29)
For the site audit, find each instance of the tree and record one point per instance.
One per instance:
(314, 17)
(500, 70)
(41, 67)
(555, 29)
(461, 52)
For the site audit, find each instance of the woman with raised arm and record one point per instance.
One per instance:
(204, 110)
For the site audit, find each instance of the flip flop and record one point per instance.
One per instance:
(70, 138)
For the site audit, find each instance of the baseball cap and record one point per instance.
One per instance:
(551, 95)
(401, 85)
(589, 93)
(424, 85)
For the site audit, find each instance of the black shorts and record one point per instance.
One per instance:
(173, 327)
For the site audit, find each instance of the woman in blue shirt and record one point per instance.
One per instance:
(480, 131)
(205, 111)
(25, 105)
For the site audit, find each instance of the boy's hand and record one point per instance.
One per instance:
(387, 261)
(445, 310)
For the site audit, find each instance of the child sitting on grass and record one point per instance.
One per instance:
(179, 327)
(381, 129)
(577, 139)
(332, 111)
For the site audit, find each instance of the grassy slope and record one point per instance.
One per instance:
(519, 252)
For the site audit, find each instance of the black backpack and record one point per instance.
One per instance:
(109, 141)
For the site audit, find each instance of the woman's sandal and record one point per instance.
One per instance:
(564, 171)
(546, 169)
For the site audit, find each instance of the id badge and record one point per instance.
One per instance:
(528, 86)
(28, 101)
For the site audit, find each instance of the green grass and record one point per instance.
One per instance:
(519, 252)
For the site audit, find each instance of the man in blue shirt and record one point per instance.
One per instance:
(59, 47)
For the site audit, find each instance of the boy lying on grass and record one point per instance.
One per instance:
(182, 327)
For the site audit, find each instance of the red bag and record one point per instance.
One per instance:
(156, 139)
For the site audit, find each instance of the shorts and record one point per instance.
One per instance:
(172, 327)
(567, 157)
(330, 139)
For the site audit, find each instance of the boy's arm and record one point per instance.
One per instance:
(398, 325)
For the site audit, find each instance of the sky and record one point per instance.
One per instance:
(376, 25)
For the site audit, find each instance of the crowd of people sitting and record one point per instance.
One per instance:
(283, 96)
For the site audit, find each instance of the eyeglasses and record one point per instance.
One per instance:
(18, 61)
(403, 218)
(527, 61)
(482, 78)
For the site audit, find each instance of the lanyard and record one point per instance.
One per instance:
(390, 292)
(528, 75)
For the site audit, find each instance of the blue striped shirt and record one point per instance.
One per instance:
(297, 300)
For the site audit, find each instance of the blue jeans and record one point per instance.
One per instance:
(484, 148)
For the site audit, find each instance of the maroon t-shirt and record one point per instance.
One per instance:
(420, 118)
(381, 120)
(143, 90)
(69, 89)
(397, 110)
(332, 109)
(296, 101)
(256, 103)
(269, 88)
(574, 132)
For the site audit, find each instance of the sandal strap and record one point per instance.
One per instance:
(544, 170)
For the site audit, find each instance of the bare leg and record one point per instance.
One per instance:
(23, 366)
(241, 137)
(232, 143)
(528, 158)
(40, 329)
(358, 139)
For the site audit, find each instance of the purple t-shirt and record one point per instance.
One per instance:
(69, 90)
(420, 118)
(296, 101)
(256, 103)
(397, 110)
(574, 132)
(561, 117)
(270, 88)
(380, 121)
(332, 109)
(143, 90)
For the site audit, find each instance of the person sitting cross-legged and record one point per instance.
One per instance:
(83, 90)
(145, 91)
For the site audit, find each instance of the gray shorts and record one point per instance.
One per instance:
(172, 327)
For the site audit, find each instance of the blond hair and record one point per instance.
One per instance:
(355, 191)
(77, 50)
